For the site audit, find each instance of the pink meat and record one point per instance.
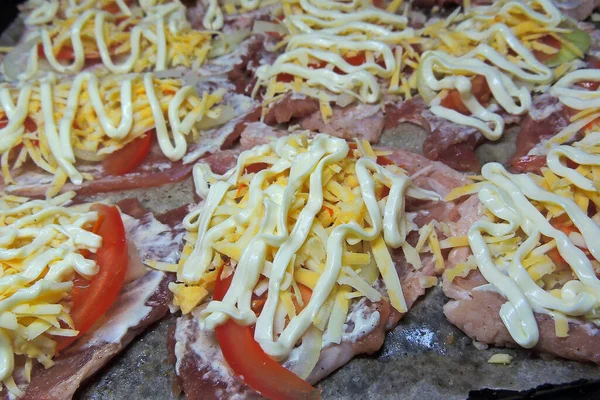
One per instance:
(360, 121)
(243, 71)
(363, 121)
(477, 312)
(200, 367)
(291, 107)
(577, 9)
(451, 143)
(89, 354)
(258, 133)
(81, 361)
(448, 142)
(404, 111)
(478, 316)
(546, 118)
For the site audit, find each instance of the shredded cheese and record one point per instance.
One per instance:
(44, 245)
(301, 222)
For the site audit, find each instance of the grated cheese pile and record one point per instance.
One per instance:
(85, 130)
(40, 12)
(157, 38)
(529, 21)
(330, 210)
(342, 52)
(491, 58)
(43, 247)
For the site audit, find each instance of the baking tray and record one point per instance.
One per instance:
(425, 357)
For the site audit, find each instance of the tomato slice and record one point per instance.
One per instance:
(91, 299)
(30, 125)
(285, 77)
(356, 60)
(113, 8)
(480, 90)
(129, 157)
(252, 365)
(593, 62)
(305, 293)
(548, 40)
(256, 167)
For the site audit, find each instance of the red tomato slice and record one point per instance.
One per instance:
(589, 85)
(356, 60)
(285, 77)
(549, 41)
(529, 164)
(480, 89)
(129, 157)
(252, 365)
(305, 293)
(30, 125)
(256, 167)
(66, 53)
(91, 299)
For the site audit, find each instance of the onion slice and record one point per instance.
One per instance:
(266, 27)
(226, 113)
(86, 155)
(224, 44)
(344, 100)
(15, 60)
(310, 351)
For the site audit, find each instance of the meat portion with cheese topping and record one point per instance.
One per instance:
(477, 312)
(203, 372)
(143, 300)
(546, 118)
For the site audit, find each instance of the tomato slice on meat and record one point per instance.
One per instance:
(480, 89)
(548, 40)
(66, 53)
(356, 60)
(306, 294)
(250, 363)
(91, 299)
(30, 125)
(285, 77)
(256, 167)
(129, 157)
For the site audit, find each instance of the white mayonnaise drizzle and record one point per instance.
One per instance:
(551, 15)
(508, 196)
(273, 203)
(44, 12)
(343, 27)
(577, 98)
(213, 19)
